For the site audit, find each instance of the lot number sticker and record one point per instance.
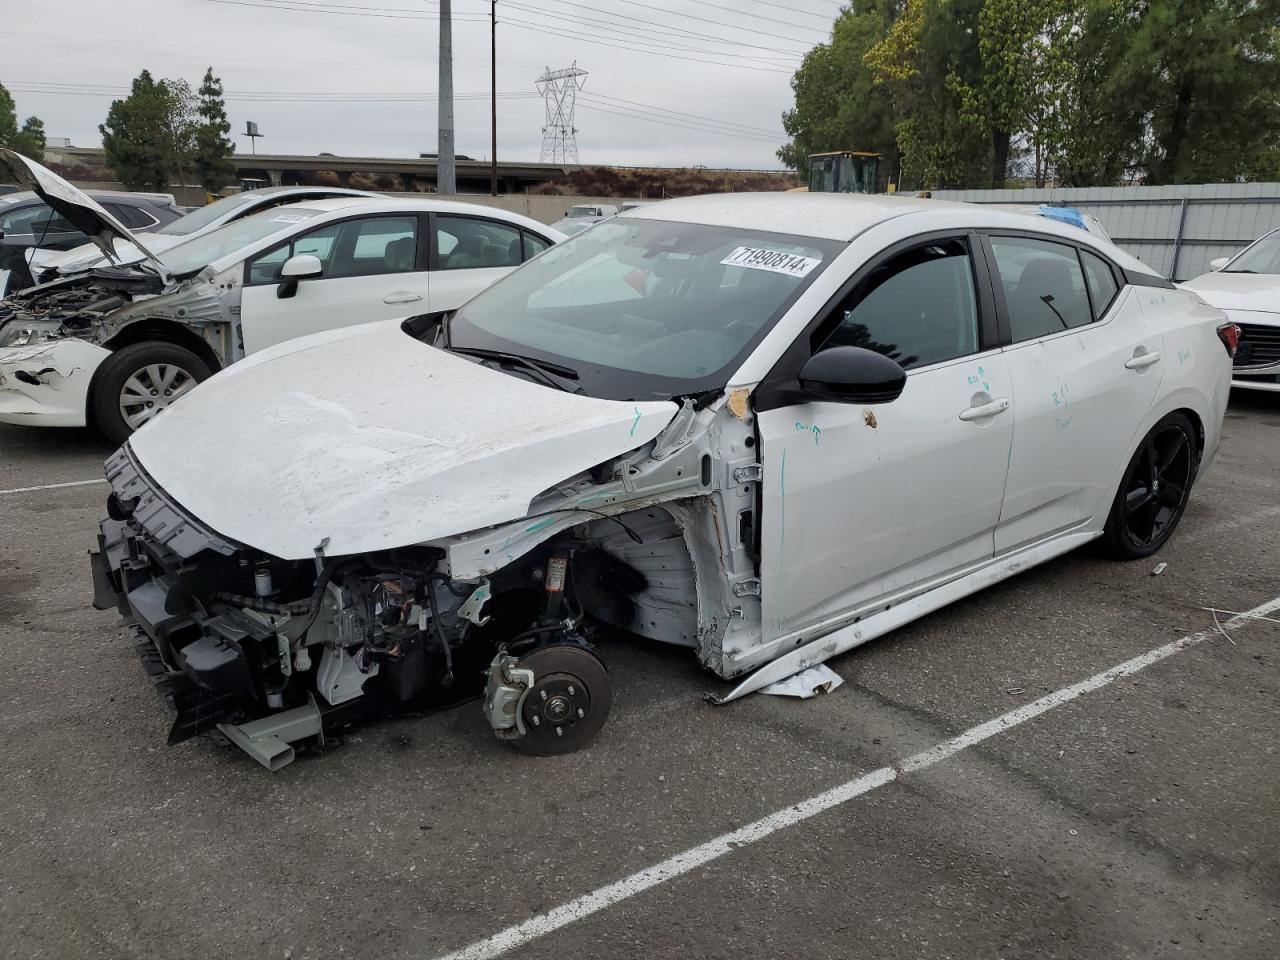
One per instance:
(775, 261)
(290, 218)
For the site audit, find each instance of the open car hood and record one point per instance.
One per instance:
(375, 440)
(82, 211)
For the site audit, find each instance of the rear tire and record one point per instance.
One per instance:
(1154, 491)
(139, 381)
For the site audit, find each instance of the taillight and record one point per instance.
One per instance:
(1229, 334)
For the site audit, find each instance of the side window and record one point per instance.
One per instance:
(464, 243)
(1043, 285)
(533, 245)
(265, 268)
(919, 307)
(1102, 282)
(354, 248)
(373, 246)
(35, 220)
(131, 217)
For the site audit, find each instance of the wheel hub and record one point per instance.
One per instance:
(568, 702)
(151, 389)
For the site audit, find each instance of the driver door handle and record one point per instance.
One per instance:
(1141, 360)
(402, 296)
(985, 410)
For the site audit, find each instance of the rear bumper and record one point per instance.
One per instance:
(47, 384)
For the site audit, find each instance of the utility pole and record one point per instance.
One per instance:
(446, 175)
(493, 97)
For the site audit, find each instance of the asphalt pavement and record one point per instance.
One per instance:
(1138, 818)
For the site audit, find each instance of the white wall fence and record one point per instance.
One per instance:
(1176, 230)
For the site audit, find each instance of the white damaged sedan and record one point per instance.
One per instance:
(768, 428)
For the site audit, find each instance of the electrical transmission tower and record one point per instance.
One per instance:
(559, 88)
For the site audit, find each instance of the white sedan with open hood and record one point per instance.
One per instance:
(1247, 287)
(115, 345)
(764, 427)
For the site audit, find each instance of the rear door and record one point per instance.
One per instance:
(1085, 365)
(373, 269)
(470, 253)
(862, 502)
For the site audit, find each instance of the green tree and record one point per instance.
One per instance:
(927, 59)
(213, 148)
(148, 137)
(29, 140)
(1207, 75)
(838, 105)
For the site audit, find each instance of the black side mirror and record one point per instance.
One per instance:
(852, 375)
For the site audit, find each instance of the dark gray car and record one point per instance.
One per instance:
(26, 222)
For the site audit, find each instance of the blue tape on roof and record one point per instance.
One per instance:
(1064, 215)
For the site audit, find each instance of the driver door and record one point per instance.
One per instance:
(863, 502)
(374, 268)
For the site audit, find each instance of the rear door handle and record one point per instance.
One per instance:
(402, 296)
(1143, 360)
(985, 410)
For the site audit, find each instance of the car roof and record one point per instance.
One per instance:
(154, 199)
(827, 216)
(843, 216)
(299, 188)
(375, 204)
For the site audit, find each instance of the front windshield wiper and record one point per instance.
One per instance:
(1239, 271)
(550, 374)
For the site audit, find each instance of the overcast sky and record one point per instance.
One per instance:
(376, 63)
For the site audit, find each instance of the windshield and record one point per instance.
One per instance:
(645, 308)
(197, 253)
(1262, 257)
(199, 219)
(583, 212)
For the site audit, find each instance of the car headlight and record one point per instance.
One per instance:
(23, 336)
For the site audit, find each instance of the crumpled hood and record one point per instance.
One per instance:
(83, 212)
(375, 440)
(1238, 291)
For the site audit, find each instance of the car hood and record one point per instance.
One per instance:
(84, 213)
(373, 439)
(1238, 291)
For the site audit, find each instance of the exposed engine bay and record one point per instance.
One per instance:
(99, 305)
(270, 652)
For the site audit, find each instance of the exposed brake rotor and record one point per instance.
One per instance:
(568, 702)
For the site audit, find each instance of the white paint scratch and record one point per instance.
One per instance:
(682, 863)
(54, 486)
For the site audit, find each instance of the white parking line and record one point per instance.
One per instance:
(682, 863)
(55, 486)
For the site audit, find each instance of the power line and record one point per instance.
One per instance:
(758, 16)
(668, 121)
(671, 123)
(629, 22)
(295, 6)
(717, 23)
(692, 116)
(792, 8)
(586, 38)
(613, 32)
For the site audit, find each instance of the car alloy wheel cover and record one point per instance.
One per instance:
(1158, 485)
(150, 389)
